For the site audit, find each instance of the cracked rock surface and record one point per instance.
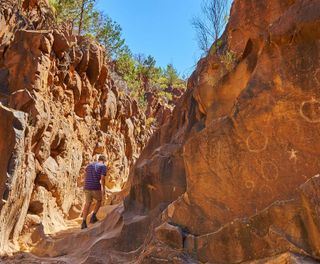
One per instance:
(232, 176)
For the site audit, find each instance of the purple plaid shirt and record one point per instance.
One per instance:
(94, 172)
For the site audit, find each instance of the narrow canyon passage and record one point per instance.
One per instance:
(228, 173)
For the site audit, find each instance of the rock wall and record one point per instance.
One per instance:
(235, 167)
(60, 106)
(230, 177)
(159, 108)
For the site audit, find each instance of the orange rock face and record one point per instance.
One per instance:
(60, 106)
(241, 150)
(230, 177)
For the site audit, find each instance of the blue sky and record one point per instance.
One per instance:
(160, 28)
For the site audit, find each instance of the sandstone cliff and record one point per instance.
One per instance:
(60, 106)
(232, 176)
(238, 160)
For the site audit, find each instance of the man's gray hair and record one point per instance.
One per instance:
(102, 158)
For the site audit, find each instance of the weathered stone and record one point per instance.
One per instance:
(17, 176)
(74, 83)
(170, 234)
(46, 44)
(96, 60)
(4, 86)
(110, 108)
(285, 258)
(21, 100)
(245, 134)
(83, 64)
(60, 43)
(189, 245)
(33, 74)
(32, 220)
(6, 147)
(48, 178)
(60, 90)
(233, 165)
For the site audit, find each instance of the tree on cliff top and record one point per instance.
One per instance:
(78, 13)
(139, 71)
(210, 25)
(172, 76)
(108, 33)
(85, 19)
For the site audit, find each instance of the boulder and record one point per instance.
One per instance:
(169, 234)
(60, 43)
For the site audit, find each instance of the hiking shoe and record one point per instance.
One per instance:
(84, 225)
(93, 219)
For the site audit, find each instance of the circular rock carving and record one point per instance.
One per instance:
(269, 171)
(310, 111)
(257, 142)
(249, 184)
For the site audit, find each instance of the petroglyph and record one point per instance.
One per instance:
(310, 110)
(269, 170)
(293, 155)
(151, 187)
(317, 76)
(257, 142)
(249, 184)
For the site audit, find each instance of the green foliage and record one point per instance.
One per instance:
(171, 75)
(86, 20)
(108, 33)
(228, 59)
(54, 4)
(142, 75)
(125, 66)
(139, 71)
(214, 48)
(78, 13)
(147, 71)
(151, 121)
(167, 96)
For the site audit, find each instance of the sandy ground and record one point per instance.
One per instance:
(73, 245)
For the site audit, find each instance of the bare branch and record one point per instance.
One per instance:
(209, 26)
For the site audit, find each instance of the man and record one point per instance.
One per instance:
(94, 188)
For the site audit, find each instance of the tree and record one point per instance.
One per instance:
(87, 15)
(85, 19)
(171, 75)
(78, 13)
(139, 71)
(209, 26)
(147, 70)
(125, 66)
(108, 33)
(83, 2)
